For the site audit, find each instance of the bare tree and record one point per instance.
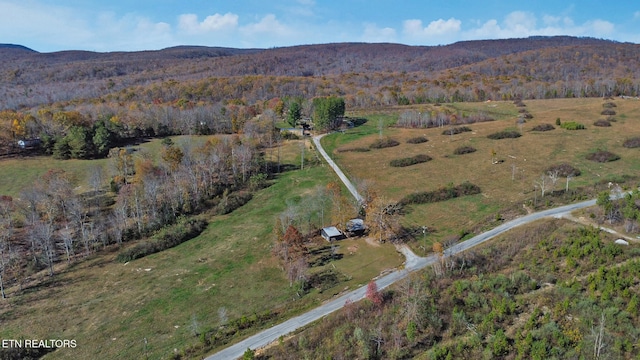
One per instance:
(554, 176)
(42, 231)
(569, 178)
(598, 336)
(543, 184)
(6, 231)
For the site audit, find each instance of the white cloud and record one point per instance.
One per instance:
(414, 28)
(524, 24)
(600, 27)
(520, 22)
(30, 23)
(269, 24)
(212, 23)
(372, 33)
(636, 15)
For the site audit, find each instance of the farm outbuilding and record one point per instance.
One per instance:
(331, 233)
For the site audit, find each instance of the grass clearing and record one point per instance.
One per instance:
(506, 185)
(110, 308)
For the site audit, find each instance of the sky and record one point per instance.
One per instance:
(133, 25)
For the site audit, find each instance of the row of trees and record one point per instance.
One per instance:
(90, 131)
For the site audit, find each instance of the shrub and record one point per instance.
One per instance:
(506, 134)
(384, 143)
(464, 150)
(608, 112)
(410, 161)
(230, 202)
(602, 156)
(564, 170)
(519, 103)
(456, 130)
(170, 236)
(609, 105)
(543, 127)
(633, 142)
(288, 135)
(602, 123)
(417, 140)
(441, 194)
(572, 125)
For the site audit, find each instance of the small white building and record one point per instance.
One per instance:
(331, 233)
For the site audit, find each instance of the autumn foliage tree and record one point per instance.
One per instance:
(373, 294)
(383, 218)
(291, 251)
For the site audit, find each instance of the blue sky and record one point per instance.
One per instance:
(130, 25)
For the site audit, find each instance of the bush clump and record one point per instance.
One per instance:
(417, 140)
(602, 123)
(564, 170)
(506, 134)
(631, 143)
(572, 125)
(464, 150)
(441, 194)
(168, 237)
(288, 135)
(602, 156)
(543, 127)
(418, 159)
(608, 112)
(230, 202)
(609, 105)
(456, 130)
(384, 143)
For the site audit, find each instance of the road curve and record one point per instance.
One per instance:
(413, 263)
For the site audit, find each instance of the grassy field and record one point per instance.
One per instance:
(110, 308)
(507, 184)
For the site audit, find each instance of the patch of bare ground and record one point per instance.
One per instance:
(372, 242)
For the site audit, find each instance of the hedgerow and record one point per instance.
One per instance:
(384, 143)
(168, 237)
(417, 140)
(506, 134)
(464, 150)
(418, 159)
(441, 194)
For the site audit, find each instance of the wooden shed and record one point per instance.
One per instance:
(331, 233)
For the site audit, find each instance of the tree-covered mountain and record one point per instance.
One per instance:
(29, 78)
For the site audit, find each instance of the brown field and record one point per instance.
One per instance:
(502, 187)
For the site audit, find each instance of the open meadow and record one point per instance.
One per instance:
(506, 170)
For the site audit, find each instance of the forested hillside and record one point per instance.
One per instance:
(385, 73)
